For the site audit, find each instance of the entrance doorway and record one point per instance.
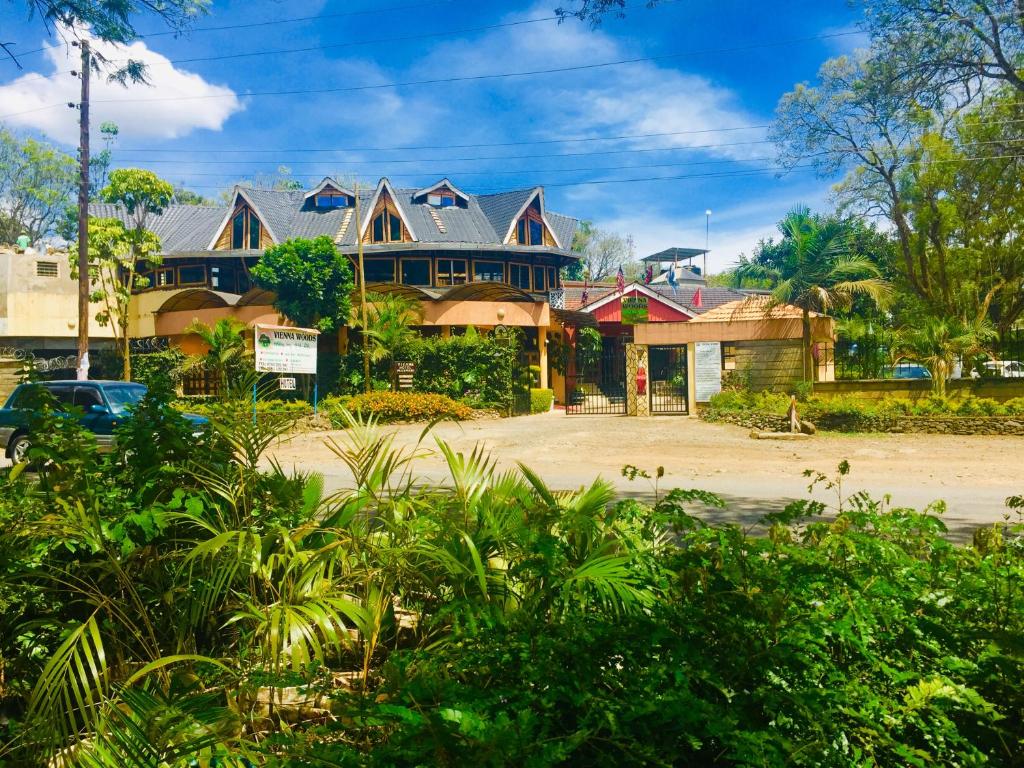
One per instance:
(599, 385)
(668, 379)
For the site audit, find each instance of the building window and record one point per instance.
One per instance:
(163, 278)
(521, 232)
(331, 200)
(488, 272)
(728, 357)
(215, 277)
(552, 278)
(416, 271)
(536, 232)
(538, 279)
(451, 271)
(379, 270)
(193, 275)
(441, 199)
(245, 231)
(519, 276)
(387, 228)
(46, 269)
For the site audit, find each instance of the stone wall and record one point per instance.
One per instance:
(941, 425)
(877, 389)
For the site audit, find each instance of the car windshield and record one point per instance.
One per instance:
(123, 396)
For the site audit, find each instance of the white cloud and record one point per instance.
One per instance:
(26, 98)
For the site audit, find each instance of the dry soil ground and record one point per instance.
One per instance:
(973, 475)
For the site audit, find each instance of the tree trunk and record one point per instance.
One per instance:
(808, 358)
(126, 356)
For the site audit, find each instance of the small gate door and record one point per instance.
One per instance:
(668, 379)
(599, 385)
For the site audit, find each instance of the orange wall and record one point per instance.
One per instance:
(174, 323)
(485, 313)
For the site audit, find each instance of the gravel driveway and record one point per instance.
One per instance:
(973, 475)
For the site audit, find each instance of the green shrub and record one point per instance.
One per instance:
(541, 400)
(1015, 407)
(166, 364)
(477, 369)
(408, 406)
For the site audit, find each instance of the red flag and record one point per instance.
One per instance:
(620, 281)
(697, 301)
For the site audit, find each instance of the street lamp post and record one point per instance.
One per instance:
(707, 237)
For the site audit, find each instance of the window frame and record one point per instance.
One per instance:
(552, 278)
(389, 215)
(501, 264)
(381, 259)
(430, 271)
(451, 272)
(248, 216)
(529, 276)
(538, 268)
(182, 283)
(164, 271)
(332, 198)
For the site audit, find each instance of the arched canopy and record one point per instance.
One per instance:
(196, 298)
(397, 289)
(256, 297)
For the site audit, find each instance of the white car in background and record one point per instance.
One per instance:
(1003, 369)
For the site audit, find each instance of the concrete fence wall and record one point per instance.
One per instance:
(877, 389)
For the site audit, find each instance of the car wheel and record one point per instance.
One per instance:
(18, 450)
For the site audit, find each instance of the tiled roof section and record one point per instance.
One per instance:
(179, 227)
(564, 228)
(710, 297)
(751, 308)
(502, 207)
(288, 214)
(574, 292)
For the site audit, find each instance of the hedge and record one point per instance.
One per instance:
(541, 400)
(408, 406)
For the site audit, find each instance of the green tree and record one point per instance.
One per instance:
(37, 182)
(814, 269)
(226, 347)
(938, 342)
(121, 246)
(312, 280)
(391, 320)
(112, 22)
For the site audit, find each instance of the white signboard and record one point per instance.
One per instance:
(709, 370)
(286, 384)
(285, 350)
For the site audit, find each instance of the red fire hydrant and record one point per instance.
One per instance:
(641, 380)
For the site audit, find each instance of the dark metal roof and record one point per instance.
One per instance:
(672, 254)
(481, 221)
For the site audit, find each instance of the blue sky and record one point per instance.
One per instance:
(722, 65)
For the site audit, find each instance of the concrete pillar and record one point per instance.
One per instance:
(636, 358)
(691, 379)
(542, 351)
(446, 331)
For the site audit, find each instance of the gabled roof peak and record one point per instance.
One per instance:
(445, 182)
(329, 182)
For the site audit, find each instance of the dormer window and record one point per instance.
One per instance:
(530, 230)
(441, 199)
(245, 231)
(386, 227)
(328, 200)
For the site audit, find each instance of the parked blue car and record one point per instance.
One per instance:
(910, 371)
(104, 405)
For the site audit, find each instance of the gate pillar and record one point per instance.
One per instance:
(638, 400)
(691, 379)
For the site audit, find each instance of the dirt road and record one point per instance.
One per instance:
(973, 475)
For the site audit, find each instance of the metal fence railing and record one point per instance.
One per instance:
(871, 359)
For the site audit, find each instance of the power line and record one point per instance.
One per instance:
(478, 78)
(273, 22)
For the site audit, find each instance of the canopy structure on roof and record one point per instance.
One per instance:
(197, 298)
(674, 254)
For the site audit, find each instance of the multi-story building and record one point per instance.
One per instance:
(480, 260)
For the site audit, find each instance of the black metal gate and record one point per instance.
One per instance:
(667, 379)
(599, 384)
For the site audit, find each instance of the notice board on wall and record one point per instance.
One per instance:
(285, 350)
(708, 372)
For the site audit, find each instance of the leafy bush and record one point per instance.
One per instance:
(408, 406)
(167, 364)
(475, 368)
(541, 400)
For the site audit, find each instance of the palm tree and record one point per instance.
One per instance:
(937, 343)
(814, 269)
(391, 321)
(226, 345)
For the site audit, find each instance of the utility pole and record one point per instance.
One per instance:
(83, 219)
(362, 296)
(707, 238)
